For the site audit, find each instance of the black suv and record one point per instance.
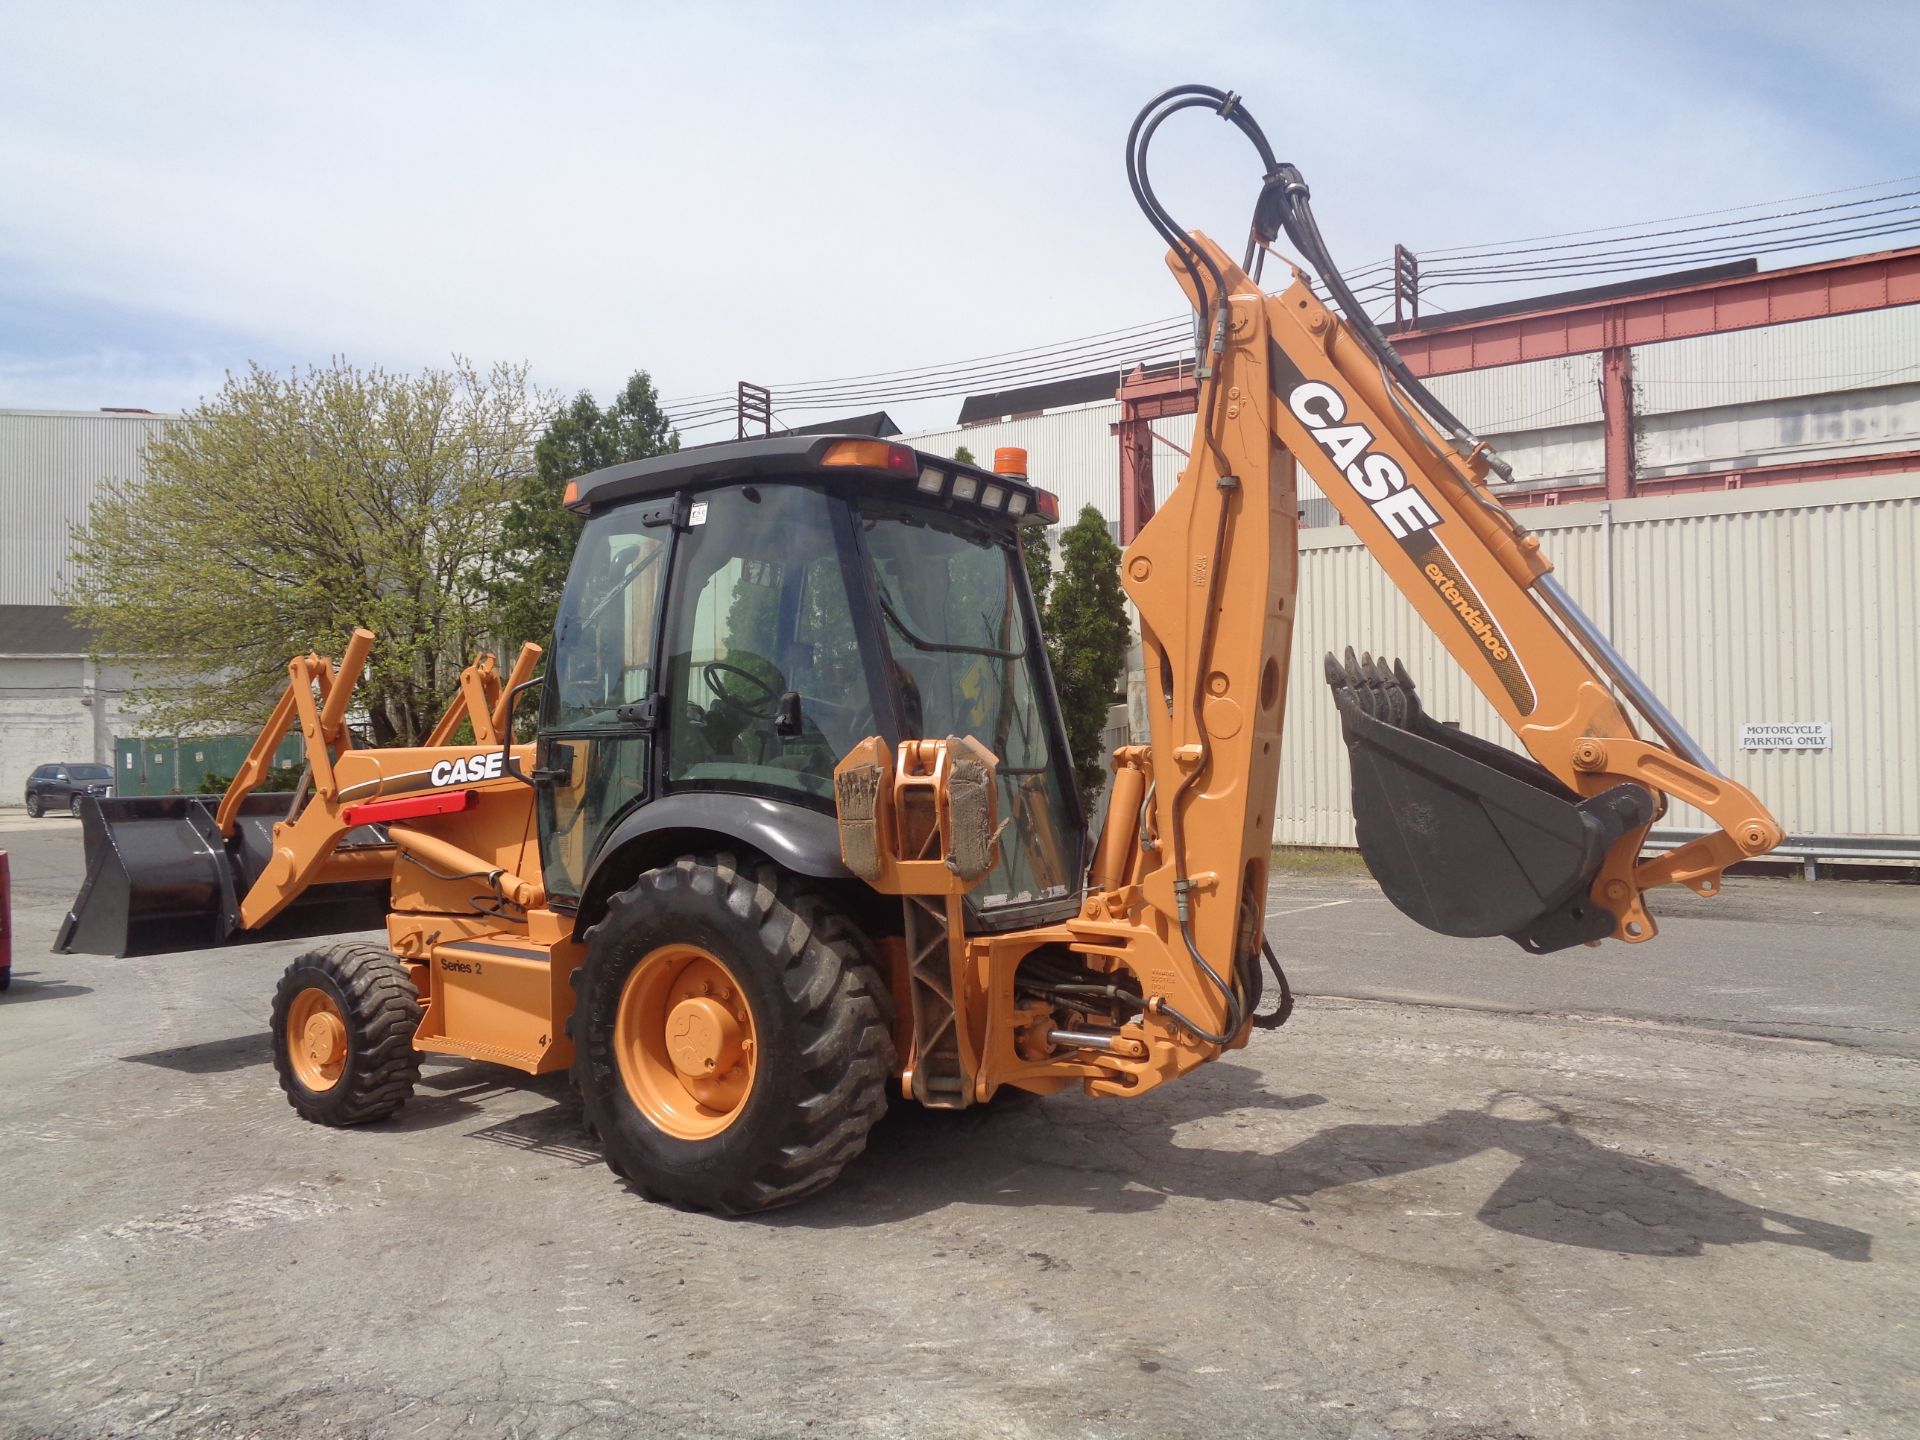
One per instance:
(59, 787)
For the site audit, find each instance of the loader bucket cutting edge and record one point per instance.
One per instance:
(1467, 837)
(159, 875)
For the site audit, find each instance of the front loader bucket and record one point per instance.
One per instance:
(159, 875)
(155, 865)
(1465, 836)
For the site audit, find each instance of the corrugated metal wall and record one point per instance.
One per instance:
(1806, 357)
(1795, 603)
(52, 466)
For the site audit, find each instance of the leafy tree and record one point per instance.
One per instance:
(537, 534)
(289, 508)
(1087, 638)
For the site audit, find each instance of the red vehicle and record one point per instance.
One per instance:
(6, 923)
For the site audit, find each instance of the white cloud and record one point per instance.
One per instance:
(782, 193)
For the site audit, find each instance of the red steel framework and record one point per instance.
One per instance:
(1845, 286)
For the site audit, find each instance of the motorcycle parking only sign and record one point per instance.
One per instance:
(1808, 735)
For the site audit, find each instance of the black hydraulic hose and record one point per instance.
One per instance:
(1304, 231)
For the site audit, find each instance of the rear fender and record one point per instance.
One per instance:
(802, 841)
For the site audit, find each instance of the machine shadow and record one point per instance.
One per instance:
(211, 1057)
(26, 988)
(1564, 1188)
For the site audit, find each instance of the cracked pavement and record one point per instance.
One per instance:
(1390, 1218)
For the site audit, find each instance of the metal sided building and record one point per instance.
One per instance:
(1726, 472)
(56, 704)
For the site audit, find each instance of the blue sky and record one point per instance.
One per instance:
(786, 192)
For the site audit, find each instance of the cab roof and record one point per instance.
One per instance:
(887, 464)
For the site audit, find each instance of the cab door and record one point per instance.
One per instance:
(600, 708)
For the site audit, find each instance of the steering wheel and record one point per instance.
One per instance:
(762, 704)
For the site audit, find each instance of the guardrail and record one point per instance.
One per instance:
(1812, 849)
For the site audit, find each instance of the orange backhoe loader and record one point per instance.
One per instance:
(798, 829)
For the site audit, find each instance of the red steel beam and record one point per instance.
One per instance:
(1142, 401)
(1616, 415)
(1844, 286)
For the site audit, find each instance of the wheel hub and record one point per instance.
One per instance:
(316, 1039)
(326, 1039)
(684, 1041)
(703, 1038)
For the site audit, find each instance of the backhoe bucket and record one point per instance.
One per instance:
(159, 875)
(1465, 836)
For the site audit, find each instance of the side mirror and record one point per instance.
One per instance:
(507, 763)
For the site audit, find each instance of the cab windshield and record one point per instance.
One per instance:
(963, 663)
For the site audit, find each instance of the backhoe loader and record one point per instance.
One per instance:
(797, 829)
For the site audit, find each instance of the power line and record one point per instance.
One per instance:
(983, 361)
(1628, 248)
(1662, 263)
(1683, 249)
(1729, 227)
(1665, 219)
(1637, 231)
(936, 385)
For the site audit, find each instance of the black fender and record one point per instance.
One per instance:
(796, 838)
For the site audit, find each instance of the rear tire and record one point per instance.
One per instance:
(816, 1049)
(33, 807)
(343, 1023)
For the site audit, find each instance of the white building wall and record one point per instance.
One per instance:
(53, 708)
(1792, 603)
(53, 465)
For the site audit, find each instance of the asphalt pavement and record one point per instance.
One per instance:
(1834, 960)
(1564, 1199)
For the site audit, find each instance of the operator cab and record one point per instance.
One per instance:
(739, 616)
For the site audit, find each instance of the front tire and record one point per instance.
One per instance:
(73, 806)
(343, 1023)
(731, 1036)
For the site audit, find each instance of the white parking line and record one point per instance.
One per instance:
(1301, 910)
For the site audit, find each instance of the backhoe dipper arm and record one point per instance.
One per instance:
(1554, 844)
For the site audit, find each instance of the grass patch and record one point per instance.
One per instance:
(1316, 860)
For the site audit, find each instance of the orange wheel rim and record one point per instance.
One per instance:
(684, 1041)
(317, 1039)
